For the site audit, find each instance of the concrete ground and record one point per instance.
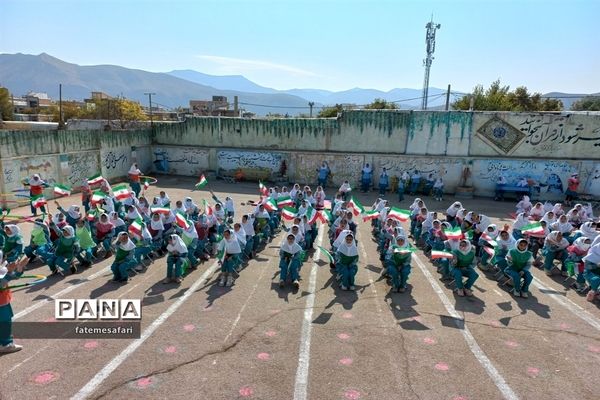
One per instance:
(258, 341)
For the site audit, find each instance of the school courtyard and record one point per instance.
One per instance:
(257, 341)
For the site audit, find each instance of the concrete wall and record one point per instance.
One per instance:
(544, 147)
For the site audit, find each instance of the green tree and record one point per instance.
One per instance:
(588, 103)
(123, 110)
(330, 112)
(381, 104)
(6, 108)
(500, 98)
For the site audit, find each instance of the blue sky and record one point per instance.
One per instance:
(327, 44)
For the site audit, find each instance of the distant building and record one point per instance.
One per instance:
(35, 100)
(217, 107)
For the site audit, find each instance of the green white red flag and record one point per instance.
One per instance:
(534, 228)
(437, 254)
(160, 210)
(182, 221)
(38, 201)
(453, 233)
(289, 213)
(95, 180)
(369, 215)
(136, 228)
(399, 214)
(357, 208)
(121, 191)
(202, 182)
(285, 201)
(62, 190)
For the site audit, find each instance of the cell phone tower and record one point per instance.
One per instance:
(430, 40)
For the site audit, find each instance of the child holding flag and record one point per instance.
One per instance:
(229, 252)
(592, 271)
(124, 258)
(290, 260)
(463, 265)
(519, 262)
(346, 259)
(397, 262)
(87, 245)
(178, 252)
(134, 179)
(555, 248)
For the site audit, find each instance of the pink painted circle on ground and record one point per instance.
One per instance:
(92, 344)
(533, 371)
(495, 324)
(143, 383)
(594, 349)
(352, 394)
(346, 361)
(271, 333)
(347, 315)
(246, 391)
(275, 311)
(429, 340)
(51, 319)
(263, 356)
(442, 366)
(170, 349)
(564, 326)
(417, 318)
(189, 327)
(46, 377)
(511, 344)
(343, 336)
(459, 398)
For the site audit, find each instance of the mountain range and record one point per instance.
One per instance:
(22, 73)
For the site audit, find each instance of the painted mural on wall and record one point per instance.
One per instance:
(231, 160)
(549, 178)
(15, 170)
(115, 162)
(343, 167)
(449, 169)
(81, 166)
(592, 181)
(180, 160)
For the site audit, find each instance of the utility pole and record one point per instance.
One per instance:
(448, 98)
(311, 104)
(430, 40)
(150, 101)
(61, 122)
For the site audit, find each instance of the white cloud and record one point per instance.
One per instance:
(240, 66)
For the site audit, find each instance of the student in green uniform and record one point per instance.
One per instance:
(464, 263)
(519, 262)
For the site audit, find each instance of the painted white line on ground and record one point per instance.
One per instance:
(498, 292)
(239, 316)
(493, 373)
(66, 290)
(109, 368)
(568, 304)
(301, 383)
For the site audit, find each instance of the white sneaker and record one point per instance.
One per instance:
(343, 287)
(524, 295)
(229, 281)
(516, 293)
(10, 348)
(352, 287)
(296, 284)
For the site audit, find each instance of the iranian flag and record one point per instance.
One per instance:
(207, 208)
(93, 214)
(327, 204)
(160, 210)
(468, 235)
(201, 183)
(534, 228)
(146, 184)
(453, 233)
(61, 190)
(285, 201)
(357, 208)
(136, 228)
(289, 213)
(182, 221)
(325, 216)
(311, 215)
(97, 197)
(369, 215)
(403, 250)
(121, 191)
(95, 180)
(437, 254)
(327, 254)
(262, 189)
(399, 214)
(489, 240)
(270, 205)
(491, 251)
(38, 201)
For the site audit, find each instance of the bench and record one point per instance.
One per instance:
(519, 191)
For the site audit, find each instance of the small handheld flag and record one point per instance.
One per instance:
(201, 183)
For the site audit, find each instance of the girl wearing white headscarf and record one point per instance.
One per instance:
(66, 247)
(591, 271)
(72, 215)
(190, 238)
(452, 211)
(156, 229)
(117, 222)
(397, 262)
(290, 260)
(143, 246)
(576, 252)
(563, 226)
(191, 209)
(486, 240)
(124, 258)
(251, 242)
(177, 257)
(518, 224)
(464, 263)
(537, 211)
(555, 248)
(346, 259)
(587, 230)
(524, 206)
(558, 210)
(229, 252)
(519, 262)
(549, 217)
(13, 242)
(132, 214)
(134, 179)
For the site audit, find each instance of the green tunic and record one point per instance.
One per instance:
(464, 260)
(348, 260)
(519, 260)
(38, 236)
(85, 238)
(66, 247)
(121, 255)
